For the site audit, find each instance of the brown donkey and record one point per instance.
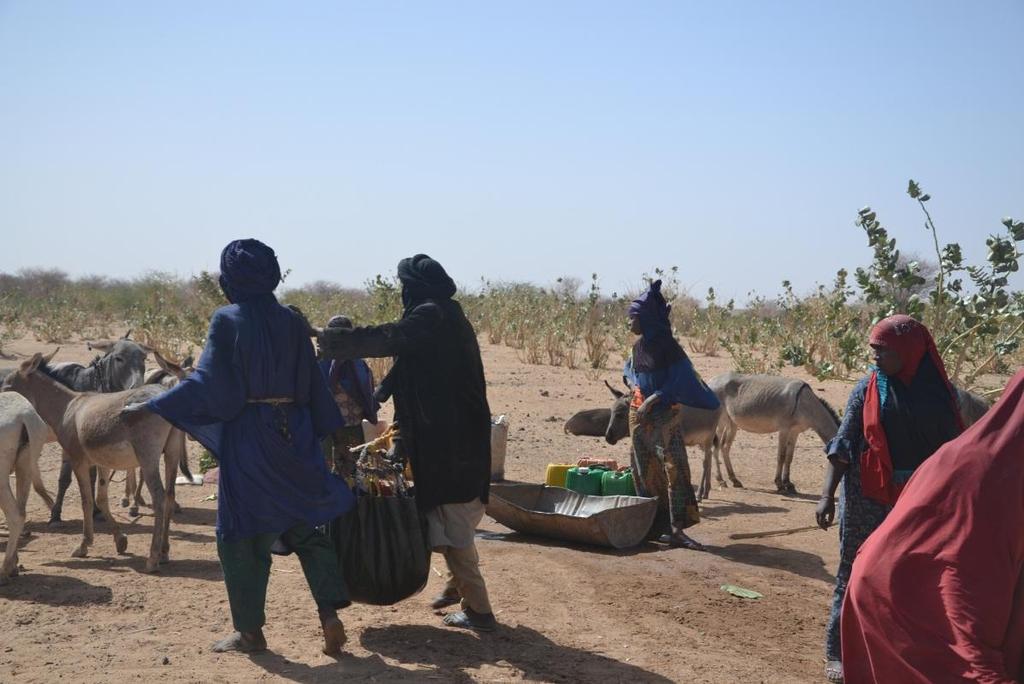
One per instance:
(93, 431)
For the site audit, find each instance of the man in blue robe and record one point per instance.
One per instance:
(259, 403)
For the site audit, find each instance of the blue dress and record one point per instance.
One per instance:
(272, 472)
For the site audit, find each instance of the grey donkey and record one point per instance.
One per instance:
(94, 429)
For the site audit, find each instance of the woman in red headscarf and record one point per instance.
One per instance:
(937, 593)
(896, 417)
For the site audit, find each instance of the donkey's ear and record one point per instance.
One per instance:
(49, 357)
(32, 364)
(100, 345)
(146, 348)
(615, 393)
(169, 366)
(127, 334)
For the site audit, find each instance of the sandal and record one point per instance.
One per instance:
(242, 642)
(444, 599)
(834, 671)
(467, 619)
(679, 540)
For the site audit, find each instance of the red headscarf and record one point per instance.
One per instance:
(937, 592)
(911, 341)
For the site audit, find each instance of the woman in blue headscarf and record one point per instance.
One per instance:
(259, 402)
(662, 376)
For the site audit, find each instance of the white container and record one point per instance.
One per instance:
(499, 445)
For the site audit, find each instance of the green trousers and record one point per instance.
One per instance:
(246, 564)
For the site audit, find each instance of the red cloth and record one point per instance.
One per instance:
(937, 592)
(911, 341)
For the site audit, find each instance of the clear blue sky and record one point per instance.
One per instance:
(515, 140)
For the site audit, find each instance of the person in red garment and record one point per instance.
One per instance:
(937, 592)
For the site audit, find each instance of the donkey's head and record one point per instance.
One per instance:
(618, 421)
(122, 366)
(17, 380)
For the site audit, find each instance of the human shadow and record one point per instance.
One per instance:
(55, 590)
(520, 538)
(797, 562)
(721, 508)
(346, 667)
(791, 496)
(450, 653)
(191, 568)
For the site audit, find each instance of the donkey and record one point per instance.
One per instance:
(93, 430)
(768, 403)
(22, 435)
(122, 367)
(167, 375)
(698, 427)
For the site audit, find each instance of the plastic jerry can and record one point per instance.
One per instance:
(555, 476)
(585, 480)
(618, 484)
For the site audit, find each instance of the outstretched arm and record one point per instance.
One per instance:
(391, 339)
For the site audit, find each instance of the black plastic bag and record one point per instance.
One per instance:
(383, 549)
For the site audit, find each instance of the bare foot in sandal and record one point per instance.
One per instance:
(470, 619)
(334, 633)
(834, 671)
(242, 642)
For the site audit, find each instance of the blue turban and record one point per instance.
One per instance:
(248, 268)
(657, 349)
(653, 311)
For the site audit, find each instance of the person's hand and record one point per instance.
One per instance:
(644, 411)
(310, 330)
(134, 408)
(825, 512)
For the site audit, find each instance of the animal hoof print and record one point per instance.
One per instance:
(122, 544)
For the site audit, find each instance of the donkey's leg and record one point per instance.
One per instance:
(81, 469)
(15, 520)
(149, 459)
(129, 487)
(23, 478)
(722, 430)
(730, 436)
(139, 501)
(36, 452)
(103, 500)
(787, 465)
(780, 459)
(705, 475)
(63, 482)
(174, 451)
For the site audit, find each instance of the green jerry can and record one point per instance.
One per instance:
(584, 480)
(618, 484)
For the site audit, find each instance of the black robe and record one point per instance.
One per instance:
(439, 393)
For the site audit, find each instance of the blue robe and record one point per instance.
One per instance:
(272, 471)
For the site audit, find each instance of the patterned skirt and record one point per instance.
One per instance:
(661, 469)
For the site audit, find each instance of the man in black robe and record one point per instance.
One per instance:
(441, 408)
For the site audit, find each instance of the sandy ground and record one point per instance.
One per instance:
(568, 613)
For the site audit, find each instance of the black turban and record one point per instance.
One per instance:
(423, 278)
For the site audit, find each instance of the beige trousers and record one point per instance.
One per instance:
(465, 578)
